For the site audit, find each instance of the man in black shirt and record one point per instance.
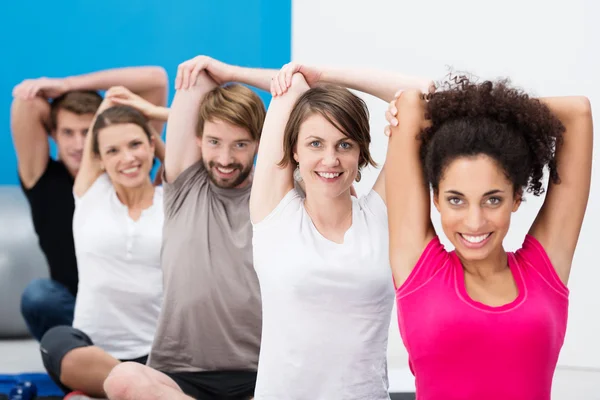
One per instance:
(48, 183)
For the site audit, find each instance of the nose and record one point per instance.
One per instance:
(79, 142)
(475, 219)
(128, 155)
(225, 157)
(330, 159)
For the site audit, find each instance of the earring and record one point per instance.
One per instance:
(358, 176)
(297, 176)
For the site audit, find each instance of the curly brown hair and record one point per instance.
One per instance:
(491, 118)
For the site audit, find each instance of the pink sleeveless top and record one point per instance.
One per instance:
(462, 349)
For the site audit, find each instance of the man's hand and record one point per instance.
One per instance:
(48, 88)
(188, 71)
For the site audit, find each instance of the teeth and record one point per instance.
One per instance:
(329, 175)
(475, 239)
(225, 170)
(130, 170)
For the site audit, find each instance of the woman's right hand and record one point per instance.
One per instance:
(413, 106)
(122, 95)
(283, 80)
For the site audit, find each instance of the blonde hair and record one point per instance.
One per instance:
(235, 104)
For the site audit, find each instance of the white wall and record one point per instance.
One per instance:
(547, 46)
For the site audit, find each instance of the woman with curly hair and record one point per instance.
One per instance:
(480, 322)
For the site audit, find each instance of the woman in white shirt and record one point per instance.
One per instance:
(322, 261)
(117, 228)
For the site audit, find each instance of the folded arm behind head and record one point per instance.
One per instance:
(272, 181)
(29, 120)
(182, 149)
(405, 185)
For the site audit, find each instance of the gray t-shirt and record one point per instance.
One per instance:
(211, 313)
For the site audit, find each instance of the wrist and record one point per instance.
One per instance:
(232, 73)
(70, 83)
(158, 113)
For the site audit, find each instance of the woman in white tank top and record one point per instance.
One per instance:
(117, 229)
(322, 260)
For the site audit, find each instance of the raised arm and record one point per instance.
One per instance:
(182, 149)
(381, 84)
(558, 224)
(150, 82)
(409, 217)
(89, 170)
(195, 78)
(222, 73)
(29, 119)
(271, 182)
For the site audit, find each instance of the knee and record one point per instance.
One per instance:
(37, 297)
(124, 381)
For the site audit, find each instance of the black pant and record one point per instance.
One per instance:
(216, 385)
(60, 340)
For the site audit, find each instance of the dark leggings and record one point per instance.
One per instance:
(60, 340)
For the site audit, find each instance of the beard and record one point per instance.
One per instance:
(228, 183)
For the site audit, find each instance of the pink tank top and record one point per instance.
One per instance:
(462, 349)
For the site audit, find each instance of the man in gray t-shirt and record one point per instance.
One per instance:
(208, 337)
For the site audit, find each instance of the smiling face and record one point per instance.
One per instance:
(475, 200)
(69, 136)
(227, 153)
(126, 153)
(327, 158)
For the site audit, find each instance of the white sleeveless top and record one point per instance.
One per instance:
(120, 278)
(326, 306)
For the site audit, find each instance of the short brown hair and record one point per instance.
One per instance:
(79, 102)
(119, 115)
(343, 109)
(235, 104)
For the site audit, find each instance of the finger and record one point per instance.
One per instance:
(387, 131)
(288, 76)
(186, 71)
(32, 91)
(178, 78)
(282, 84)
(273, 92)
(391, 119)
(392, 108)
(398, 94)
(199, 67)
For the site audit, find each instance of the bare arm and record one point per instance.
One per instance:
(271, 182)
(381, 84)
(28, 123)
(558, 224)
(182, 149)
(150, 82)
(409, 213)
(89, 170)
(222, 73)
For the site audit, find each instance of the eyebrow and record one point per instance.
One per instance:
(489, 193)
(235, 141)
(344, 139)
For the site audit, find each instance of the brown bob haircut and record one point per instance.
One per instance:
(343, 109)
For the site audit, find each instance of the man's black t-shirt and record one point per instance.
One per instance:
(52, 206)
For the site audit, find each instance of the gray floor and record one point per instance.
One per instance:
(20, 356)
